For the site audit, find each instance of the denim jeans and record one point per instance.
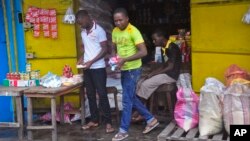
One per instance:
(95, 82)
(130, 100)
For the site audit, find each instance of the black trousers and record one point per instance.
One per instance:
(95, 82)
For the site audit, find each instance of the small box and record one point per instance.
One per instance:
(6, 82)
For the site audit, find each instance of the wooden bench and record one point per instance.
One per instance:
(174, 133)
(168, 91)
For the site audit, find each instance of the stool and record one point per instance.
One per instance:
(113, 90)
(169, 90)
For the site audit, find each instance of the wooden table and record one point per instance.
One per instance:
(17, 93)
(52, 93)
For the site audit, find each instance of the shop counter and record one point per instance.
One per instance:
(52, 93)
(17, 93)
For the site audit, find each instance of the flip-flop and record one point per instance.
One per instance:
(90, 125)
(120, 136)
(150, 126)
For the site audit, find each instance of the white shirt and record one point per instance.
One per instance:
(92, 46)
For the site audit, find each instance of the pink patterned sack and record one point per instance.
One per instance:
(186, 109)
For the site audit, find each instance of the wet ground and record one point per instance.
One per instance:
(73, 132)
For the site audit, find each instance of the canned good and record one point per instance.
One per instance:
(8, 76)
(32, 75)
(22, 76)
(37, 74)
(28, 67)
(27, 76)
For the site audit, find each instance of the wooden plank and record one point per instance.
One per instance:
(178, 133)
(203, 138)
(217, 137)
(191, 134)
(9, 124)
(163, 135)
(39, 127)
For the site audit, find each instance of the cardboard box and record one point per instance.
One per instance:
(21, 83)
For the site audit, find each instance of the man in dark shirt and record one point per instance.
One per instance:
(167, 73)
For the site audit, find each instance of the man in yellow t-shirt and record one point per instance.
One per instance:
(130, 47)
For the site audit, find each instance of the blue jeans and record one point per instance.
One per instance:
(130, 100)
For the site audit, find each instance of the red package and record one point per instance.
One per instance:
(52, 12)
(45, 27)
(52, 20)
(41, 12)
(46, 33)
(53, 27)
(44, 19)
(45, 12)
(35, 13)
(37, 20)
(27, 18)
(32, 20)
(54, 35)
(37, 27)
(36, 33)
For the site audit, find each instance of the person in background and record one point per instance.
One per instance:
(130, 47)
(168, 73)
(95, 47)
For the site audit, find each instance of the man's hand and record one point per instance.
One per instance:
(120, 63)
(87, 64)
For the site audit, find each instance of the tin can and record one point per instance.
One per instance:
(28, 67)
(22, 76)
(33, 75)
(37, 74)
(8, 76)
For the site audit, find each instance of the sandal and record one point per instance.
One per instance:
(90, 125)
(120, 136)
(150, 126)
(109, 129)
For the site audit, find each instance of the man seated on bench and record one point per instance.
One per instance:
(166, 74)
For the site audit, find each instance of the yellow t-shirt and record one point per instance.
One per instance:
(126, 41)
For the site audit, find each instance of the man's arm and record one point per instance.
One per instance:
(142, 51)
(166, 67)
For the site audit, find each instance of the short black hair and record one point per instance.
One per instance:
(121, 10)
(160, 33)
(82, 13)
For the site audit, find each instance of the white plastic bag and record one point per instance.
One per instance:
(236, 105)
(210, 107)
(69, 17)
(246, 17)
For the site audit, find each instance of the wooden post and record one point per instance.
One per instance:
(82, 97)
(53, 115)
(62, 109)
(19, 111)
(30, 120)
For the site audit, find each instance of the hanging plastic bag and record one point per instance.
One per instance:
(69, 17)
(246, 17)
